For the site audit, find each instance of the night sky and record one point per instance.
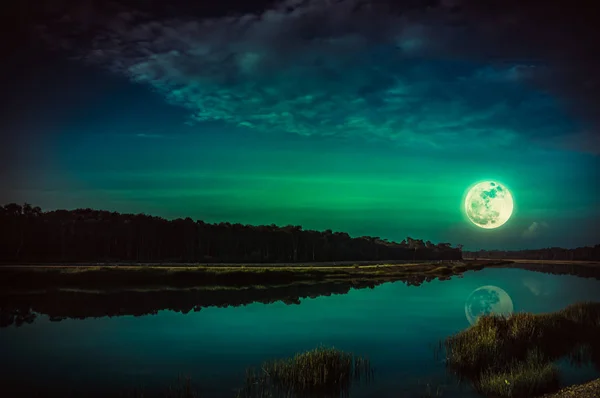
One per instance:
(354, 116)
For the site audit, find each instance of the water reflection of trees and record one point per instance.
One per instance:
(20, 307)
(586, 253)
(582, 270)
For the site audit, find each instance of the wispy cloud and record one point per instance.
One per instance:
(337, 68)
(534, 286)
(534, 229)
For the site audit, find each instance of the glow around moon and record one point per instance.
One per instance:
(489, 204)
(488, 300)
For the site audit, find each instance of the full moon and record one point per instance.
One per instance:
(487, 300)
(489, 204)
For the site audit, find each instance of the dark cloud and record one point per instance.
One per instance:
(438, 74)
(557, 37)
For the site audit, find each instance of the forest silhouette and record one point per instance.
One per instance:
(86, 235)
(583, 253)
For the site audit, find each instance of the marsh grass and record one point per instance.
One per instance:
(202, 275)
(441, 271)
(528, 378)
(321, 372)
(512, 356)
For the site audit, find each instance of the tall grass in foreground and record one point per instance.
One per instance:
(322, 372)
(534, 376)
(513, 357)
(319, 373)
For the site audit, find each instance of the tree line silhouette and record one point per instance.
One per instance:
(586, 253)
(29, 234)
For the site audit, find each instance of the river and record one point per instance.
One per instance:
(397, 326)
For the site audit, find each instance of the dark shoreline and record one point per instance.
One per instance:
(82, 292)
(21, 304)
(316, 264)
(581, 269)
(586, 390)
(105, 277)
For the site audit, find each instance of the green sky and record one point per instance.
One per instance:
(349, 130)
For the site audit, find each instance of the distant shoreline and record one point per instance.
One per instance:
(321, 264)
(530, 261)
(329, 264)
(181, 275)
(120, 275)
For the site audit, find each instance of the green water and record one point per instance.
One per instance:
(396, 326)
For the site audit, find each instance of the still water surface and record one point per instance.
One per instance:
(396, 326)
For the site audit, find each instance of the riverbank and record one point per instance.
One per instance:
(584, 269)
(516, 356)
(318, 264)
(587, 390)
(116, 276)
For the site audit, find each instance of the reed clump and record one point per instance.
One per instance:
(321, 372)
(531, 377)
(513, 356)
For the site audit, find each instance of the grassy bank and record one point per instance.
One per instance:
(514, 356)
(132, 276)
